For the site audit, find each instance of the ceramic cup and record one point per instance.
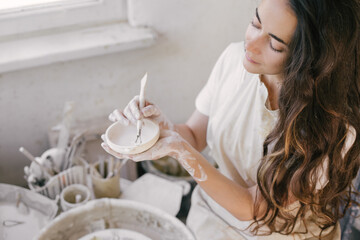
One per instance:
(73, 196)
(105, 185)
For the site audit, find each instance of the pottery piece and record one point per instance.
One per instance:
(57, 183)
(108, 213)
(122, 138)
(74, 195)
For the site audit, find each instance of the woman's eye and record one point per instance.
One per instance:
(274, 49)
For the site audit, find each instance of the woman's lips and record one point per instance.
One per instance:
(249, 59)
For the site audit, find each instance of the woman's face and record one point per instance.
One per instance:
(267, 37)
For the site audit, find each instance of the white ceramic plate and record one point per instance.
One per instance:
(122, 138)
(23, 219)
(111, 234)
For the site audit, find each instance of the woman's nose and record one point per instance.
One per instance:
(254, 44)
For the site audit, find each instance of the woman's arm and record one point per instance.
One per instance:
(185, 145)
(239, 201)
(194, 131)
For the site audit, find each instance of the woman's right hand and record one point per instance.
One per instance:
(132, 113)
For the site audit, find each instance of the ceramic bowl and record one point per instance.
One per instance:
(110, 234)
(121, 138)
(108, 213)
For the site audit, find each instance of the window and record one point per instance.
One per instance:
(41, 32)
(25, 16)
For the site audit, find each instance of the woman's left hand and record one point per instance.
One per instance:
(170, 143)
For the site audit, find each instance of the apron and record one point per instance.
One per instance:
(208, 225)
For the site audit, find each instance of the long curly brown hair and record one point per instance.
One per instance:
(319, 100)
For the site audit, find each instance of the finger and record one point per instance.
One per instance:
(140, 157)
(128, 112)
(134, 108)
(129, 116)
(134, 157)
(121, 118)
(150, 110)
(112, 117)
(116, 115)
(110, 151)
(147, 155)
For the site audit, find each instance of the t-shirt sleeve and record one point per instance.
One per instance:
(203, 99)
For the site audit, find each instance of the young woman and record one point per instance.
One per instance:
(280, 114)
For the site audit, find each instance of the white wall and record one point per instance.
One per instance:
(192, 34)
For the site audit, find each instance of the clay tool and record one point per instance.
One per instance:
(11, 223)
(21, 206)
(141, 105)
(119, 165)
(110, 165)
(76, 142)
(101, 168)
(95, 171)
(48, 172)
(65, 127)
(78, 198)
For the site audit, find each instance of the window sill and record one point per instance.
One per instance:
(38, 50)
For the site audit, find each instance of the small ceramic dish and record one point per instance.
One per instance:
(122, 138)
(69, 195)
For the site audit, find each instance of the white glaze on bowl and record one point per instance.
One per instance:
(122, 138)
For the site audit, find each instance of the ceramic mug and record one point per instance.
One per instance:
(73, 196)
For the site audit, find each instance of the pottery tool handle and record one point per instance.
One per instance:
(142, 92)
(33, 159)
(141, 101)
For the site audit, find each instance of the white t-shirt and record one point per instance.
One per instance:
(239, 121)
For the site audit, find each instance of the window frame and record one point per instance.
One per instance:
(59, 15)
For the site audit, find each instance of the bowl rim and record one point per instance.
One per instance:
(129, 148)
(82, 187)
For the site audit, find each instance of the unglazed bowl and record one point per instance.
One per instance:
(121, 138)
